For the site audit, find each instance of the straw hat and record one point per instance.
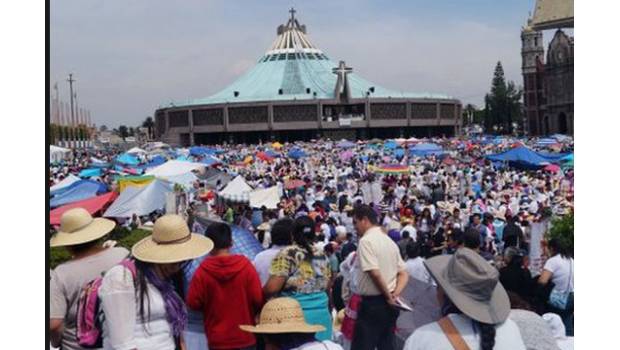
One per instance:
(338, 320)
(348, 208)
(472, 284)
(282, 315)
(77, 226)
(171, 242)
(264, 226)
(333, 206)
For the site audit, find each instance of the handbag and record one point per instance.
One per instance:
(559, 300)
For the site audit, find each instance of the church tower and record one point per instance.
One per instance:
(532, 68)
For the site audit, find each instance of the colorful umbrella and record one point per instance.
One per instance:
(346, 155)
(391, 169)
(552, 168)
(292, 184)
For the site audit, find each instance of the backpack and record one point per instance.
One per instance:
(89, 323)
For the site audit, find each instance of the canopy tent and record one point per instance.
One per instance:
(237, 190)
(58, 154)
(136, 150)
(78, 191)
(173, 168)
(568, 158)
(520, 157)
(140, 200)
(64, 184)
(268, 197)
(345, 144)
(138, 181)
(186, 180)
(426, 149)
(272, 153)
(546, 142)
(92, 205)
(152, 146)
(297, 154)
(216, 178)
(155, 161)
(91, 172)
(127, 159)
(264, 157)
(128, 170)
(96, 162)
(276, 145)
(399, 153)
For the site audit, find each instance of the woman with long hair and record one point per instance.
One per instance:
(559, 269)
(143, 307)
(303, 272)
(474, 305)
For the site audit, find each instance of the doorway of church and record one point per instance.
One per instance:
(562, 123)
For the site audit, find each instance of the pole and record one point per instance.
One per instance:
(71, 80)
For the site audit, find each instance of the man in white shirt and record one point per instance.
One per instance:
(281, 236)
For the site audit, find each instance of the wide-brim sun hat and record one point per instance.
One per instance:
(171, 242)
(282, 315)
(472, 285)
(77, 226)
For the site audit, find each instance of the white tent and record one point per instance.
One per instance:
(141, 200)
(186, 180)
(59, 153)
(174, 168)
(66, 182)
(268, 197)
(136, 150)
(237, 190)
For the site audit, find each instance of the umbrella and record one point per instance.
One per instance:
(552, 168)
(390, 145)
(345, 144)
(399, 153)
(346, 155)
(375, 140)
(296, 154)
(264, 156)
(276, 145)
(292, 184)
(391, 169)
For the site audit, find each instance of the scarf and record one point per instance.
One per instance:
(176, 313)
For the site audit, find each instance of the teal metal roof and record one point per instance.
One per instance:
(291, 67)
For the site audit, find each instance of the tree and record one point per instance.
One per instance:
(122, 130)
(468, 113)
(149, 125)
(103, 128)
(502, 103)
(131, 131)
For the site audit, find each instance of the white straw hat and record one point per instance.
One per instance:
(171, 242)
(77, 226)
(282, 315)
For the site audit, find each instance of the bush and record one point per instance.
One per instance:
(563, 229)
(123, 236)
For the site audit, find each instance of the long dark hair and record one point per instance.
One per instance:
(487, 330)
(142, 290)
(303, 234)
(558, 248)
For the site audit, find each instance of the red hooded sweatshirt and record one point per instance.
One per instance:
(228, 292)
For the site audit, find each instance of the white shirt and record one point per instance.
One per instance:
(262, 262)
(430, 336)
(316, 345)
(413, 233)
(415, 268)
(560, 269)
(123, 328)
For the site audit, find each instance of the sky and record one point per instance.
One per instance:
(129, 57)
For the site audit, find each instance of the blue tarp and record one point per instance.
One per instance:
(183, 159)
(127, 159)
(210, 160)
(296, 154)
(520, 157)
(390, 145)
(552, 157)
(426, 149)
(399, 153)
(78, 191)
(201, 150)
(245, 243)
(271, 153)
(157, 160)
(90, 172)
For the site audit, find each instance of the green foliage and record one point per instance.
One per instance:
(123, 131)
(563, 229)
(124, 238)
(502, 103)
(149, 124)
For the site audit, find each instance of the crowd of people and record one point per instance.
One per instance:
(356, 227)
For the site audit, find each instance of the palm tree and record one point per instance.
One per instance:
(149, 125)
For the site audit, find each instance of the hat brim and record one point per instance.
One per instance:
(148, 250)
(493, 311)
(282, 328)
(98, 228)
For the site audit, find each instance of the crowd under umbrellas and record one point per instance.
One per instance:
(428, 191)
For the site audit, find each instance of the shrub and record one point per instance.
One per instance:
(563, 229)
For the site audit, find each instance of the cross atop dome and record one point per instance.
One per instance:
(292, 11)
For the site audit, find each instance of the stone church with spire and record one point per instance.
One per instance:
(548, 78)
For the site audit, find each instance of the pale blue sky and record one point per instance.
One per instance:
(128, 57)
